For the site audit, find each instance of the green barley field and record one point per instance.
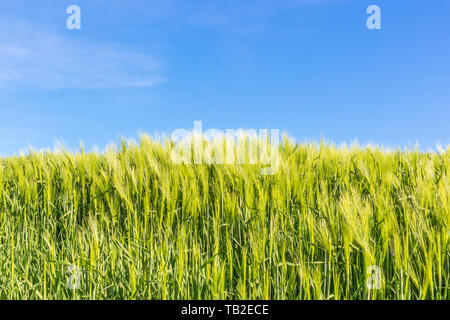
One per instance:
(128, 223)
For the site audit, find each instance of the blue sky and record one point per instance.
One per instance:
(311, 68)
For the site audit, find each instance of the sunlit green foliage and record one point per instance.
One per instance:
(140, 227)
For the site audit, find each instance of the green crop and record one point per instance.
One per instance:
(128, 223)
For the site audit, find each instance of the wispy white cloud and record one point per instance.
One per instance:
(36, 57)
(33, 55)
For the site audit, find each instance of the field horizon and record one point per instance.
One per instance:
(128, 223)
